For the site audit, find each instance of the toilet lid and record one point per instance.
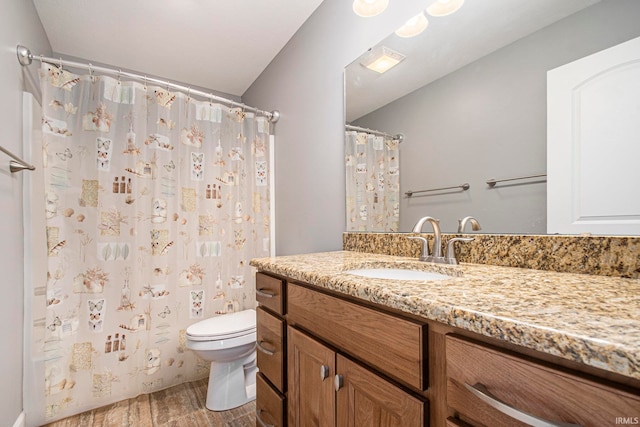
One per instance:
(224, 326)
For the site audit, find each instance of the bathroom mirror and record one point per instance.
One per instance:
(470, 99)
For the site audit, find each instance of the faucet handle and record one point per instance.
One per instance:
(451, 255)
(425, 247)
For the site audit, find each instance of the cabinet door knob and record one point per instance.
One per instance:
(264, 293)
(260, 421)
(338, 381)
(482, 393)
(324, 372)
(264, 349)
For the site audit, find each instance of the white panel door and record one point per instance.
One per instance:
(593, 143)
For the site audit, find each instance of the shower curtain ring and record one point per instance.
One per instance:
(211, 99)
(119, 75)
(145, 82)
(60, 63)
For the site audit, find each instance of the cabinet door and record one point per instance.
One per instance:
(311, 369)
(366, 400)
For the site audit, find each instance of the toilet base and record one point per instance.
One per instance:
(232, 384)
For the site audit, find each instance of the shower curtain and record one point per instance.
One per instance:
(155, 203)
(373, 182)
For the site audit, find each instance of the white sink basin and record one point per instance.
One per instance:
(397, 274)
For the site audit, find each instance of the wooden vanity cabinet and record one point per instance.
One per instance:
(523, 386)
(379, 357)
(324, 361)
(327, 389)
(328, 383)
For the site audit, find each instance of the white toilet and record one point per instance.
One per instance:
(229, 342)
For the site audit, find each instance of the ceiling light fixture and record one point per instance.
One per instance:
(369, 8)
(444, 7)
(413, 26)
(382, 59)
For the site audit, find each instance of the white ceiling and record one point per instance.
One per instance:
(449, 43)
(222, 45)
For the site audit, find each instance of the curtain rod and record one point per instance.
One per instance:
(25, 57)
(399, 137)
(17, 164)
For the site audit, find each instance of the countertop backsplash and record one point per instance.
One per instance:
(617, 256)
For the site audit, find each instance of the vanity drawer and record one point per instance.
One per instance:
(393, 345)
(270, 341)
(270, 292)
(539, 390)
(269, 404)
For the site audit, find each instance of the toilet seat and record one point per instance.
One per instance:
(223, 327)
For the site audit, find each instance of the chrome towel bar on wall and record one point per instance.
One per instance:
(462, 187)
(492, 182)
(17, 164)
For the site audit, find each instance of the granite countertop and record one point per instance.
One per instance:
(594, 320)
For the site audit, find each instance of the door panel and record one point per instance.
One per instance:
(367, 400)
(311, 397)
(593, 107)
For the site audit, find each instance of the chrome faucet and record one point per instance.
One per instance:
(436, 253)
(475, 225)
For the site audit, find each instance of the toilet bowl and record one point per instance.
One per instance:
(227, 341)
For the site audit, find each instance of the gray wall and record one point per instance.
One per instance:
(19, 24)
(305, 82)
(488, 120)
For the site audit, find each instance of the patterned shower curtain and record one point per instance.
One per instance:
(373, 182)
(155, 203)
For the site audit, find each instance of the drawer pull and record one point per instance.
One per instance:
(264, 350)
(259, 419)
(265, 294)
(338, 382)
(324, 372)
(482, 393)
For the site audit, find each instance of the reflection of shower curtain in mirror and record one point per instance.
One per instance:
(373, 182)
(155, 203)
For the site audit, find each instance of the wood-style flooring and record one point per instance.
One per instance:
(179, 406)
